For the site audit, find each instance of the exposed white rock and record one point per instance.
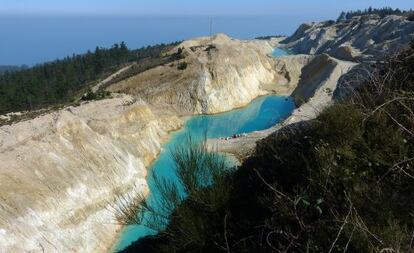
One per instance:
(59, 172)
(222, 73)
(361, 38)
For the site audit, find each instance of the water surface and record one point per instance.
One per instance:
(277, 52)
(260, 114)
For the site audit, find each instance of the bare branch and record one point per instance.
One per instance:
(342, 227)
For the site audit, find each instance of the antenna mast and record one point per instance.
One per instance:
(211, 30)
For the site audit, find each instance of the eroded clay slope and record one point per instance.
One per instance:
(59, 171)
(219, 74)
(361, 38)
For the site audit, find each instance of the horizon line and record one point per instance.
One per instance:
(132, 14)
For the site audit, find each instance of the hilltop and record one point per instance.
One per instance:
(360, 38)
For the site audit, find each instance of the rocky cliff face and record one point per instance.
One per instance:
(59, 172)
(220, 74)
(361, 38)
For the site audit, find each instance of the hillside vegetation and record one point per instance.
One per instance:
(343, 182)
(62, 81)
(11, 68)
(382, 12)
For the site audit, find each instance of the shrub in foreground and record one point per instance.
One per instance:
(343, 182)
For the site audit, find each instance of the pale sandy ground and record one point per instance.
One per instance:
(110, 78)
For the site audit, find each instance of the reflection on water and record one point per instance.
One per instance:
(261, 114)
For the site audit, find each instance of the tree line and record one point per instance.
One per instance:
(61, 80)
(382, 12)
(11, 68)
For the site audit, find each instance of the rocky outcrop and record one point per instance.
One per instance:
(290, 68)
(60, 171)
(313, 75)
(362, 38)
(219, 74)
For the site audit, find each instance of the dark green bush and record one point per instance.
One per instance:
(343, 182)
(182, 66)
(90, 95)
(200, 197)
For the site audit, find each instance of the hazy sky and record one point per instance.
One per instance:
(34, 31)
(190, 7)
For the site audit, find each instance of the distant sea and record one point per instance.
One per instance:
(35, 39)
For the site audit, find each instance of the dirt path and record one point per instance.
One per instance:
(111, 77)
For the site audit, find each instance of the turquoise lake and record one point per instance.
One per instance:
(260, 114)
(277, 52)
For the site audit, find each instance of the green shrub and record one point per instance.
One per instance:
(198, 197)
(182, 66)
(343, 182)
(90, 95)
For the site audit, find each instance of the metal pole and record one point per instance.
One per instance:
(211, 30)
